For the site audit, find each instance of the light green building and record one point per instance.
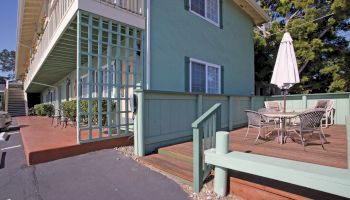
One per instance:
(173, 55)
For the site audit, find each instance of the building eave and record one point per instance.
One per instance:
(255, 12)
(27, 22)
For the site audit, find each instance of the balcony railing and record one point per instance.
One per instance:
(134, 6)
(54, 20)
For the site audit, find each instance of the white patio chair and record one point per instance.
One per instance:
(328, 106)
(273, 105)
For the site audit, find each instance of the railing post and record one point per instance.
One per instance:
(230, 113)
(218, 119)
(304, 102)
(347, 122)
(139, 136)
(220, 180)
(197, 159)
(199, 105)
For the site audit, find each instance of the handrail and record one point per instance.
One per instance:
(206, 115)
(204, 129)
(134, 6)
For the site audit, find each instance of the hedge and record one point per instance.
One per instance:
(70, 109)
(44, 109)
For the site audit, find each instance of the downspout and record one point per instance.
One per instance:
(148, 45)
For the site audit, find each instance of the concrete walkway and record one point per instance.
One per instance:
(105, 174)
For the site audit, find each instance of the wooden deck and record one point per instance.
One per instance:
(176, 160)
(43, 142)
(335, 154)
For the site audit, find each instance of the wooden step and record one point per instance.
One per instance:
(179, 169)
(182, 152)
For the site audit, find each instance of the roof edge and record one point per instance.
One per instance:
(20, 11)
(260, 17)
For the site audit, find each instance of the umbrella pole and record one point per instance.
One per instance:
(284, 100)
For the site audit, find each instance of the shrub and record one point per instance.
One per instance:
(44, 109)
(39, 109)
(70, 109)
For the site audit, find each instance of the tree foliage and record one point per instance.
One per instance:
(317, 28)
(7, 62)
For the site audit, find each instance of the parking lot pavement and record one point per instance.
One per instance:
(98, 175)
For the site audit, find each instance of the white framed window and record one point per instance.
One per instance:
(84, 86)
(205, 77)
(85, 83)
(207, 9)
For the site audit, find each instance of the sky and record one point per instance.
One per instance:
(8, 22)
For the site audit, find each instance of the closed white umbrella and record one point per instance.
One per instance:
(285, 73)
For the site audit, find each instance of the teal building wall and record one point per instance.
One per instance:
(177, 33)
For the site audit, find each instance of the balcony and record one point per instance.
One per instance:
(135, 6)
(60, 27)
(45, 37)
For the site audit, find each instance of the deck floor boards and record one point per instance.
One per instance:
(335, 154)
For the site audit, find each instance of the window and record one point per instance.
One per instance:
(205, 77)
(207, 9)
(85, 83)
(84, 86)
(105, 80)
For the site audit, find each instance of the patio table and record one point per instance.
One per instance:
(283, 116)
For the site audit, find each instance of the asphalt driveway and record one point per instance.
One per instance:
(98, 175)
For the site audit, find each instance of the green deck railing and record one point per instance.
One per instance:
(300, 102)
(327, 179)
(204, 132)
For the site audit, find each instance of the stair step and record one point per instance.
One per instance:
(181, 170)
(183, 151)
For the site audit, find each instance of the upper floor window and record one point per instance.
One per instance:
(205, 77)
(207, 9)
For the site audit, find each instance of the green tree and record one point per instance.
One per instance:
(322, 52)
(7, 62)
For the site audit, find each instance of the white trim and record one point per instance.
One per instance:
(11, 147)
(148, 46)
(207, 64)
(205, 13)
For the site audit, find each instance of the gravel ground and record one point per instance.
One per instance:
(207, 192)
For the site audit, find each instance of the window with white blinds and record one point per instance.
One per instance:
(205, 77)
(207, 9)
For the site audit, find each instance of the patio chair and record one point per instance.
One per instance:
(268, 119)
(60, 118)
(273, 105)
(57, 116)
(329, 115)
(310, 122)
(259, 121)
